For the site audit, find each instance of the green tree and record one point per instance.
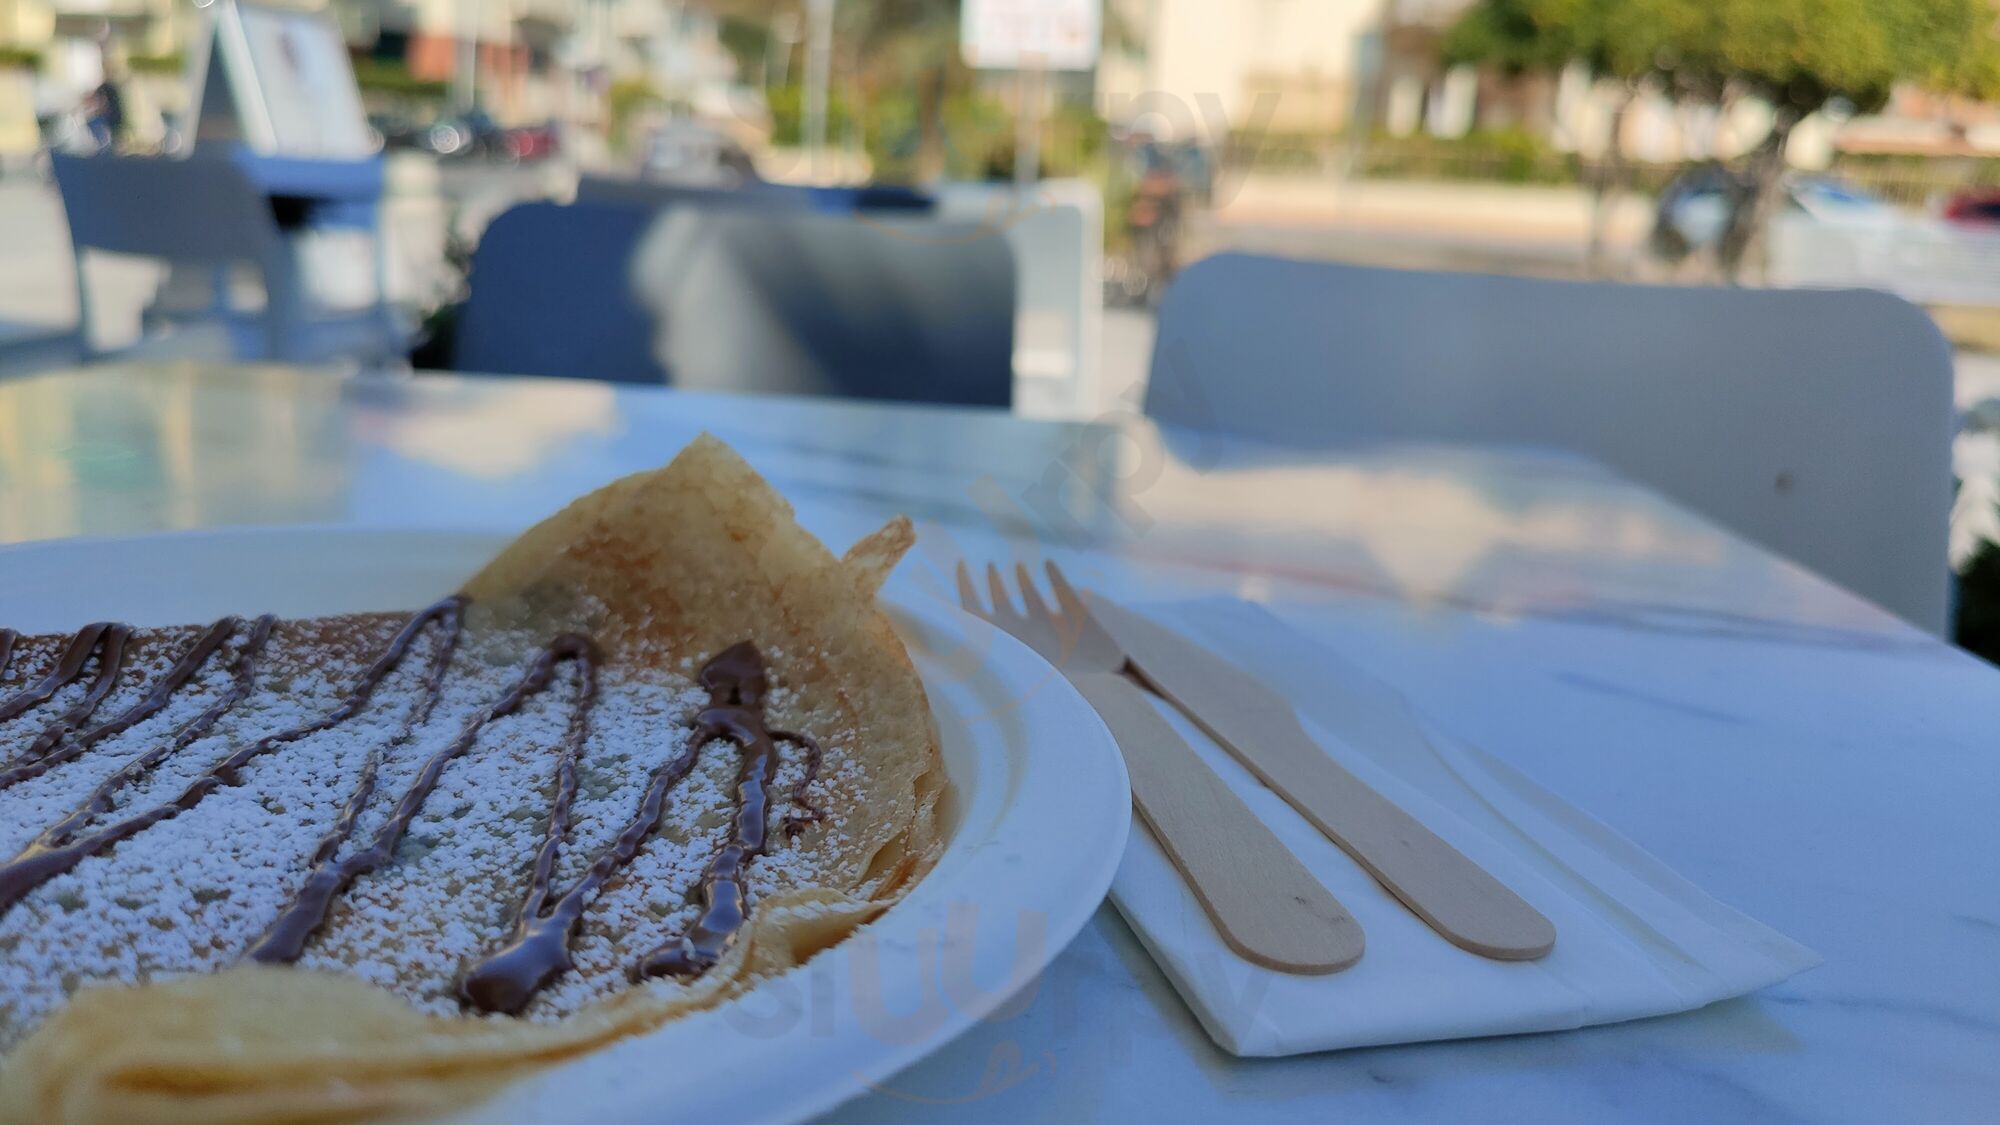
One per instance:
(1802, 55)
(1799, 56)
(890, 48)
(1625, 42)
(890, 44)
(1968, 75)
(1515, 36)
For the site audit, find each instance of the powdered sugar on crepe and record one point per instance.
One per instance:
(190, 894)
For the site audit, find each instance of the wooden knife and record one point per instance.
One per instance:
(1459, 899)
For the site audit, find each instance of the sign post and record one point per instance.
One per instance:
(1028, 125)
(1031, 38)
(819, 71)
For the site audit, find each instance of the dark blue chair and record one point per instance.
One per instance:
(876, 199)
(550, 295)
(896, 309)
(746, 299)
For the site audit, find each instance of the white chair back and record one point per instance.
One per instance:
(1816, 423)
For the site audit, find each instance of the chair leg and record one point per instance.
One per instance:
(85, 350)
(220, 279)
(284, 304)
(395, 347)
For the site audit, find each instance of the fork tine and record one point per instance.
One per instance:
(1031, 597)
(968, 595)
(1066, 596)
(1003, 604)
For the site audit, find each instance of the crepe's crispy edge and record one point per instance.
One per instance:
(685, 559)
(258, 1044)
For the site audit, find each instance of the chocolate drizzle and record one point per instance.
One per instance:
(104, 640)
(36, 864)
(43, 756)
(286, 939)
(735, 683)
(537, 949)
(804, 810)
(243, 679)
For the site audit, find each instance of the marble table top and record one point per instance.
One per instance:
(1799, 753)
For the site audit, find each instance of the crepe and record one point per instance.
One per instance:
(621, 604)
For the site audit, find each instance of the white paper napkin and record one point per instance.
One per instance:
(1633, 938)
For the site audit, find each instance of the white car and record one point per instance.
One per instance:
(685, 152)
(1832, 240)
(1830, 234)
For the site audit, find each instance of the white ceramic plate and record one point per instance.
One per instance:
(1040, 813)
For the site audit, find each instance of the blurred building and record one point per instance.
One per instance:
(67, 40)
(521, 59)
(537, 59)
(1287, 66)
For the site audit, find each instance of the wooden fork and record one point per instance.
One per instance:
(1267, 907)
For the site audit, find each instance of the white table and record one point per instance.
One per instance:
(1798, 753)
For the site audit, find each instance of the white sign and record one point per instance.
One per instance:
(1031, 34)
(278, 78)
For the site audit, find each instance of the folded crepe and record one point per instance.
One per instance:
(662, 747)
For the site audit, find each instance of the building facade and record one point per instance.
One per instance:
(1287, 66)
(69, 40)
(537, 59)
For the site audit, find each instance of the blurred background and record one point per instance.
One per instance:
(1834, 143)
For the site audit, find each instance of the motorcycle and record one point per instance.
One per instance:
(1153, 227)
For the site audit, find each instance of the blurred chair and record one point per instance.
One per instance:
(755, 193)
(551, 295)
(893, 308)
(738, 298)
(1816, 423)
(205, 211)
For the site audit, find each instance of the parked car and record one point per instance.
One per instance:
(1197, 171)
(689, 152)
(397, 131)
(1978, 207)
(532, 142)
(471, 133)
(1694, 211)
(1834, 234)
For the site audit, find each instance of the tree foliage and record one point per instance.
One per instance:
(1515, 36)
(1969, 66)
(882, 34)
(1796, 54)
(888, 44)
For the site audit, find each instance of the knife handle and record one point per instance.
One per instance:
(1265, 904)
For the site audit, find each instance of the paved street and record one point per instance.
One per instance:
(1488, 228)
